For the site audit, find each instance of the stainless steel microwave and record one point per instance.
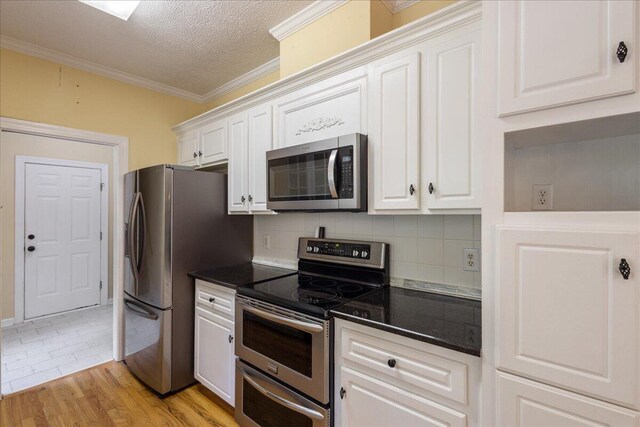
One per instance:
(327, 175)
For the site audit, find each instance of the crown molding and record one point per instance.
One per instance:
(396, 6)
(92, 67)
(245, 79)
(306, 16)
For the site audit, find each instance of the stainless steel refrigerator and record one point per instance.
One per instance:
(177, 222)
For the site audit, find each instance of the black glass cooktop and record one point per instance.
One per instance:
(308, 294)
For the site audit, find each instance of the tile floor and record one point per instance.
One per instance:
(37, 351)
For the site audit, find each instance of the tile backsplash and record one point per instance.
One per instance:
(427, 248)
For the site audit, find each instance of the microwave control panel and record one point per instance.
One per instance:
(345, 161)
(341, 249)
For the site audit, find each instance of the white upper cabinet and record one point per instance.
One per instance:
(567, 316)
(238, 176)
(260, 141)
(188, 149)
(213, 142)
(451, 155)
(394, 132)
(330, 108)
(555, 53)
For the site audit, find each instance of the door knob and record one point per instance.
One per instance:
(31, 248)
(31, 237)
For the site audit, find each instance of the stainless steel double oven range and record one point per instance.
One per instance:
(284, 332)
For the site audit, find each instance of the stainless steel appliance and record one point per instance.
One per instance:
(328, 175)
(177, 222)
(284, 331)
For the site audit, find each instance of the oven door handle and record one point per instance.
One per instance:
(331, 174)
(281, 400)
(296, 324)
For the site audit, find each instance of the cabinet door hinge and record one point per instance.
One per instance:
(100, 284)
(101, 186)
(101, 235)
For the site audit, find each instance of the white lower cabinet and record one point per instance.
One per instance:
(386, 380)
(214, 360)
(525, 403)
(567, 316)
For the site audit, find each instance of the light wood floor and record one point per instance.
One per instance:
(109, 395)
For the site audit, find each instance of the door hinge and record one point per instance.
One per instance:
(101, 284)
(101, 186)
(101, 235)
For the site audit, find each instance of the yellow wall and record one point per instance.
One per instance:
(42, 91)
(255, 85)
(381, 19)
(14, 144)
(344, 28)
(418, 10)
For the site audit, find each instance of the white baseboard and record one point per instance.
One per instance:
(7, 322)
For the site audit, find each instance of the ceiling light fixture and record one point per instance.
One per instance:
(119, 8)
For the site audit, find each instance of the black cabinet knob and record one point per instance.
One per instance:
(624, 268)
(212, 299)
(431, 188)
(31, 248)
(250, 198)
(230, 338)
(391, 363)
(195, 154)
(242, 199)
(412, 189)
(622, 51)
(31, 237)
(342, 392)
(200, 153)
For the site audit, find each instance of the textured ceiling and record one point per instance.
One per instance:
(196, 46)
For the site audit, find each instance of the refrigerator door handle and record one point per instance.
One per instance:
(139, 310)
(132, 232)
(142, 235)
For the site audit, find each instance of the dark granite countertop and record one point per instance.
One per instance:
(446, 321)
(241, 274)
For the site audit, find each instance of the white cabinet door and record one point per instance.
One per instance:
(562, 52)
(260, 141)
(238, 161)
(188, 150)
(213, 142)
(394, 138)
(328, 109)
(566, 314)
(214, 360)
(451, 178)
(524, 403)
(367, 401)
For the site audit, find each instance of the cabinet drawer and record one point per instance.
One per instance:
(525, 403)
(331, 108)
(415, 366)
(215, 298)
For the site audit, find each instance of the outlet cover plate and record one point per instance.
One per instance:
(542, 197)
(471, 260)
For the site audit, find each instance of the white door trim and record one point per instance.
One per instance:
(21, 162)
(120, 146)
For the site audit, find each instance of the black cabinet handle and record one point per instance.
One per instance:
(200, 153)
(242, 199)
(391, 363)
(212, 299)
(31, 237)
(31, 248)
(624, 268)
(195, 154)
(250, 198)
(622, 51)
(431, 188)
(342, 392)
(230, 339)
(412, 189)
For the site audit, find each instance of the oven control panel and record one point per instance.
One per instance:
(340, 249)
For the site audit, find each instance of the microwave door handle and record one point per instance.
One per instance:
(291, 405)
(296, 324)
(331, 174)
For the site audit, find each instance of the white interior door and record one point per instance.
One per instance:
(62, 238)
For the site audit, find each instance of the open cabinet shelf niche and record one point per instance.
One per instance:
(590, 165)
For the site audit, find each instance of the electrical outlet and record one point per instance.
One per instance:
(542, 197)
(266, 241)
(471, 260)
